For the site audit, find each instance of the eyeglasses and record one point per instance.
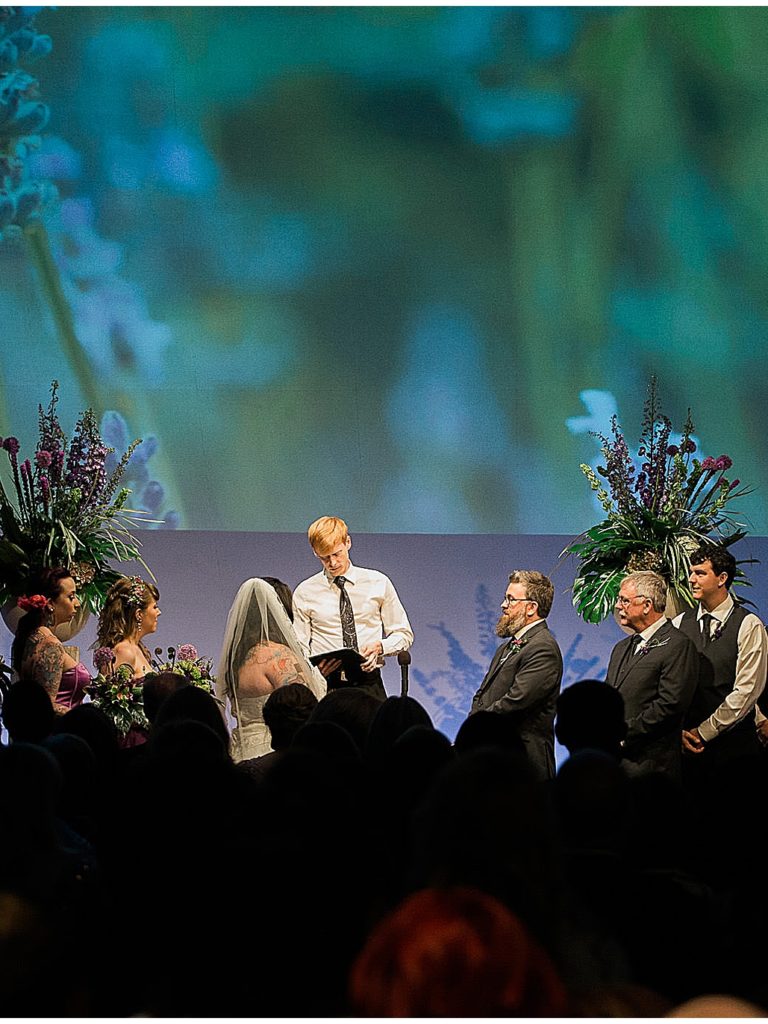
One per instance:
(511, 600)
(624, 601)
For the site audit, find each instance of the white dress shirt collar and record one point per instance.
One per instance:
(720, 613)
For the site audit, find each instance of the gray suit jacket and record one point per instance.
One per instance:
(657, 686)
(525, 686)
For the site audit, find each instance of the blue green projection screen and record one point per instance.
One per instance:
(391, 262)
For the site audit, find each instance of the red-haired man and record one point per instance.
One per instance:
(345, 605)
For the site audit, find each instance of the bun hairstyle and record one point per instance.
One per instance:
(118, 618)
(40, 588)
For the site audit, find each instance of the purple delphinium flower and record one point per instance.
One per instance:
(619, 469)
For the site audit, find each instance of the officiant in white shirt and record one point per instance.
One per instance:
(346, 606)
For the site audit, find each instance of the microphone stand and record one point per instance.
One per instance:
(404, 660)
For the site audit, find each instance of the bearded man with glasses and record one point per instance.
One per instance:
(525, 673)
(656, 674)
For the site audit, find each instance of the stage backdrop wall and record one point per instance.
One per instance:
(450, 585)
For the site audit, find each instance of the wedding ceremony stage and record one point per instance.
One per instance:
(487, 283)
(333, 261)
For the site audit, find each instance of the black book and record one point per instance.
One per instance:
(350, 659)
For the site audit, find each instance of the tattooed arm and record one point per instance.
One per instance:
(47, 666)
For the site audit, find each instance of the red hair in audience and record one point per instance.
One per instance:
(454, 953)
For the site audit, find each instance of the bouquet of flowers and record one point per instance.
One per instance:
(184, 661)
(63, 509)
(117, 693)
(656, 515)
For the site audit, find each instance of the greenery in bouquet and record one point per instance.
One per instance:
(116, 692)
(657, 513)
(185, 661)
(62, 508)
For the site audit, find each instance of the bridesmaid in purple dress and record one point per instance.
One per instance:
(37, 653)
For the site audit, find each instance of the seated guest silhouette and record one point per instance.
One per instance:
(590, 716)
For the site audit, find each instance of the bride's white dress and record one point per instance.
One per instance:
(250, 737)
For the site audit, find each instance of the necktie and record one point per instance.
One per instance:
(348, 631)
(626, 661)
(513, 646)
(706, 627)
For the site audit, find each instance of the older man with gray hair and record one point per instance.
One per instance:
(655, 673)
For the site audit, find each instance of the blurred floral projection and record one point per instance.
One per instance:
(410, 256)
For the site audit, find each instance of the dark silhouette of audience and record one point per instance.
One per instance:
(373, 869)
(590, 716)
(157, 686)
(28, 714)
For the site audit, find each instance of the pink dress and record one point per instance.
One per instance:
(72, 686)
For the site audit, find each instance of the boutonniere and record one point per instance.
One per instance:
(514, 646)
(652, 644)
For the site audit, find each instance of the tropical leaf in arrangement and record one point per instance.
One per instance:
(658, 513)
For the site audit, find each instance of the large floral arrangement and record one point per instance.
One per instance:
(657, 513)
(62, 508)
(185, 661)
(117, 693)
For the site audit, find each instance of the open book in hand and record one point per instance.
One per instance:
(350, 659)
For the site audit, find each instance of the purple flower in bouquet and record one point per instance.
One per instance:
(187, 652)
(655, 519)
(103, 657)
(65, 517)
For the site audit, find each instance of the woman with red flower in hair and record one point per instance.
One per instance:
(37, 653)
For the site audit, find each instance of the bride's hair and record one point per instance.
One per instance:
(283, 592)
(118, 616)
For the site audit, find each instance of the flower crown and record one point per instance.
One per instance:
(34, 601)
(137, 591)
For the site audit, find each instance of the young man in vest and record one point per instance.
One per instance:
(719, 738)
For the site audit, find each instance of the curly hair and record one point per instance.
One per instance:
(117, 619)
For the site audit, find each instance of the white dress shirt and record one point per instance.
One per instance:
(379, 615)
(751, 668)
(648, 632)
